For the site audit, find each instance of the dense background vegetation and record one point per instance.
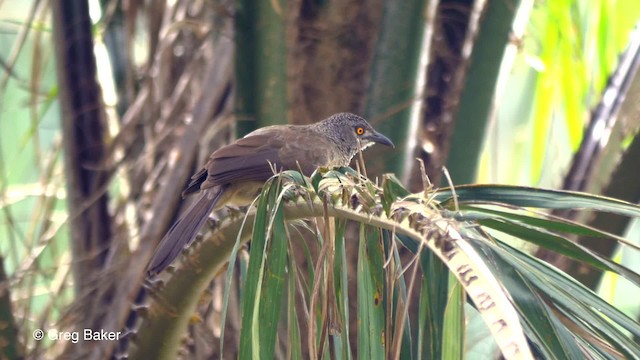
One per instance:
(107, 107)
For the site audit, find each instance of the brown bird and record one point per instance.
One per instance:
(235, 173)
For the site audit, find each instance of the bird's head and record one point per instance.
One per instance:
(352, 132)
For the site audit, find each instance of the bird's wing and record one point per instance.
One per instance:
(249, 158)
(196, 180)
(184, 231)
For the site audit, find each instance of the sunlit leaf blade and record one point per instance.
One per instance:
(589, 325)
(453, 342)
(293, 176)
(562, 293)
(252, 301)
(469, 213)
(378, 302)
(553, 341)
(537, 198)
(554, 279)
(274, 279)
(342, 289)
(400, 300)
(228, 284)
(392, 190)
(560, 245)
(306, 285)
(600, 334)
(433, 302)
(441, 237)
(370, 330)
(486, 293)
(293, 328)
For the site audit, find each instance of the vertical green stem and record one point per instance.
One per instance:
(390, 93)
(476, 98)
(261, 93)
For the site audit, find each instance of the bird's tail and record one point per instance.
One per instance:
(183, 231)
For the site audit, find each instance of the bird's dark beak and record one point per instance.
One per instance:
(380, 139)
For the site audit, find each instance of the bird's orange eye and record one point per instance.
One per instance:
(359, 130)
